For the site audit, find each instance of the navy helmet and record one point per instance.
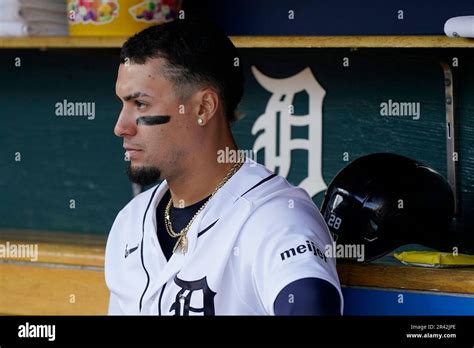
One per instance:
(383, 201)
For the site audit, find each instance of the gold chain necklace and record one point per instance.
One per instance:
(182, 243)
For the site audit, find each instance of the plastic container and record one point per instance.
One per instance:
(118, 17)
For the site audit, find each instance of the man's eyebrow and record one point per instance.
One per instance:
(135, 96)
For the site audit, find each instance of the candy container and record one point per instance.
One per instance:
(156, 11)
(118, 17)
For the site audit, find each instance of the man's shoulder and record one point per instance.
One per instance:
(279, 220)
(140, 201)
(279, 207)
(130, 217)
(267, 185)
(275, 193)
(288, 206)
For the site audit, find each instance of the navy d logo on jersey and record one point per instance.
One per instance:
(194, 296)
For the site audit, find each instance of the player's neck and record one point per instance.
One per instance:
(202, 177)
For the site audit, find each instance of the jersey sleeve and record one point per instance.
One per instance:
(292, 246)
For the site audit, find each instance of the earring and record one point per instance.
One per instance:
(200, 121)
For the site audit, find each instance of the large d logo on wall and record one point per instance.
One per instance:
(280, 104)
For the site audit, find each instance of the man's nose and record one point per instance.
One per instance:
(125, 125)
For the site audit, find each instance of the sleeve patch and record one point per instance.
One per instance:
(308, 247)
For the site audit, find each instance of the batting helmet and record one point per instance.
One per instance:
(383, 201)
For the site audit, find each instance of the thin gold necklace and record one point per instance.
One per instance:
(182, 243)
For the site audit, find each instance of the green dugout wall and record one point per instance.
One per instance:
(46, 160)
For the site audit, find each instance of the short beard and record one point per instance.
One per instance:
(143, 175)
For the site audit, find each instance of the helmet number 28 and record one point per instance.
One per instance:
(334, 222)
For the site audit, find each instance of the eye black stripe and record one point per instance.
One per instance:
(258, 184)
(153, 120)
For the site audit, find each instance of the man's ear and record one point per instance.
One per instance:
(207, 102)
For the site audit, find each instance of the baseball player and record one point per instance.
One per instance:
(214, 237)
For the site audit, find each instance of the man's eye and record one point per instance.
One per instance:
(140, 105)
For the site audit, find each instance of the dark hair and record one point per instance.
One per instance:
(197, 52)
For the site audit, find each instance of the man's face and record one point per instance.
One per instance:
(155, 151)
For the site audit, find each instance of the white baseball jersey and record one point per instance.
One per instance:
(256, 235)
